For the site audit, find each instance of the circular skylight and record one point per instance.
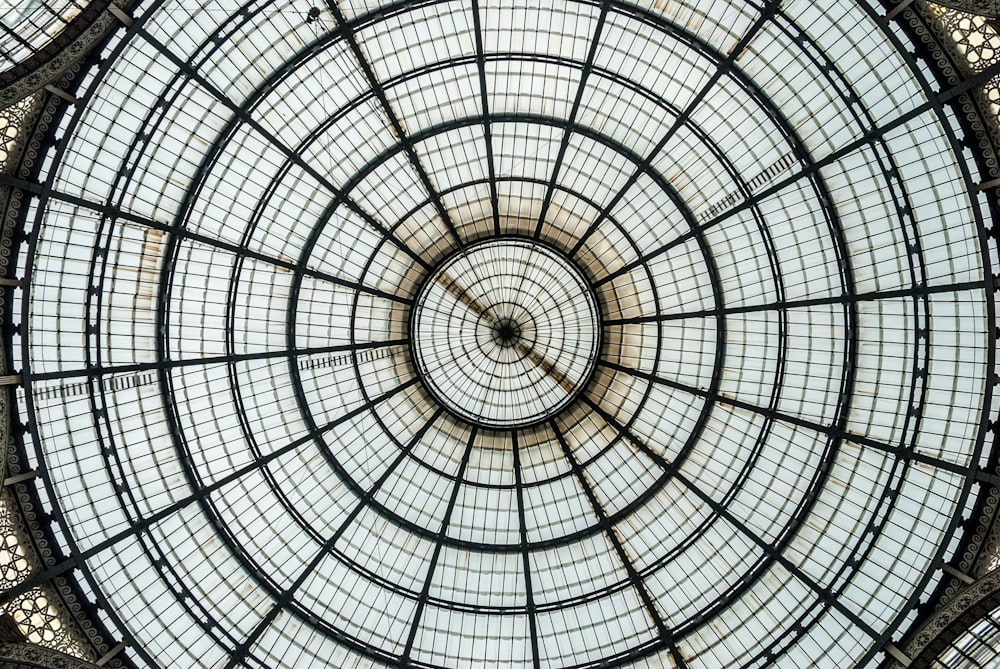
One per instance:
(450, 334)
(505, 334)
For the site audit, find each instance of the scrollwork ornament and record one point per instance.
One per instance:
(17, 655)
(13, 119)
(962, 45)
(989, 8)
(919, 21)
(982, 136)
(991, 545)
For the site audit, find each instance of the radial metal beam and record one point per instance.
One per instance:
(805, 303)
(522, 524)
(831, 431)
(99, 371)
(484, 101)
(397, 127)
(425, 591)
(115, 212)
(588, 66)
(666, 636)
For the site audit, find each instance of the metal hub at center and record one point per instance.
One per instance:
(507, 332)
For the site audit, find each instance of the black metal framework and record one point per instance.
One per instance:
(763, 460)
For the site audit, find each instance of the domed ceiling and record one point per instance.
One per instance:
(468, 334)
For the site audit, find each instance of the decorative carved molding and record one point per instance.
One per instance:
(65, 51)
(989, 8)
(18, 655)
(969, 605)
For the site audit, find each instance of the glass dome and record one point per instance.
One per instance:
(449, 334)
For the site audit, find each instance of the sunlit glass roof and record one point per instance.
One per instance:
(454, 334)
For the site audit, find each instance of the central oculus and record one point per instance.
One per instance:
(505, 333)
